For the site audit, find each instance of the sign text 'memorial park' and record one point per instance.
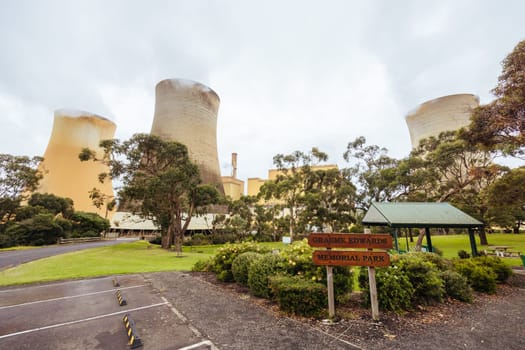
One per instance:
(350, 258)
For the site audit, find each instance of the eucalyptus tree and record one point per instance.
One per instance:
(507, 200)
(500, 124)
(456, 172)
(158, 181)
(19, 177)
(372, 171)
(292, 183)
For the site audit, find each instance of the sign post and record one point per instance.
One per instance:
(368, 257)
(330, 287)
(373, 287)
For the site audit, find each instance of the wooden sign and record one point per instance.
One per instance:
(350, 240)
(350, 258)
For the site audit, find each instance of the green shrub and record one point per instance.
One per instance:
(424, 277)
(297, 261)
(481, 278)
(39, 230)
(502, 271)
(222, 238)
(441, 263)
(463, 254)
(6, 241)
(198, 239)
(202, 265)
(88, 224)
(437, 251)
(343, 281)
(223, 259)
(394, 290)
(157, 240)
(298, 296)
(457, 286)
(258, 274)
(241, 264)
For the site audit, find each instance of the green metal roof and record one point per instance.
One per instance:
(418, 214)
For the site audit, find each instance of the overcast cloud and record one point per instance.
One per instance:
(290, 74)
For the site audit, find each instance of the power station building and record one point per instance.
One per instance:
(255, 183)
(435, 116)
(233, 187)
(64, 174)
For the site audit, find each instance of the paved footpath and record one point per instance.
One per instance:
(231, 322)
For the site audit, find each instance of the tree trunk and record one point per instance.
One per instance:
(410, 235)
(483, 236)
(420, 237)
(291, 224)
(171, 238)
(178, 242)
(165, 241)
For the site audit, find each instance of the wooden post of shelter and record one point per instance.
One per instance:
(472, 239)
(429, 240)
(396, 244)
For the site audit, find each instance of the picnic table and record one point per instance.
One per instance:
(501, 251)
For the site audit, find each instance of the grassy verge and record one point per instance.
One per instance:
(21, 247)
(451, 244)
(123, 258)
(141, 256)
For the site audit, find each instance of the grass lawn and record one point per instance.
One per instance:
(136, 257)
(451, 244)
(141, 256)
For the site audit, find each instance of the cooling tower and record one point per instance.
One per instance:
(445, 113)
(186, 112)
(64, 174)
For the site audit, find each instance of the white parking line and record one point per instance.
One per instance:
(52, 284)
(194, 346)
(190, 326)
(79, 321)
(68, 297)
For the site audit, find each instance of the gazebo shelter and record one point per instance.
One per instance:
(421, 215)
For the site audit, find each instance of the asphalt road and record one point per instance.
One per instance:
(16, 257)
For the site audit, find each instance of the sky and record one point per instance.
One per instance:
(291, 75)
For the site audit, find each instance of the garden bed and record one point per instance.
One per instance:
(489, 322)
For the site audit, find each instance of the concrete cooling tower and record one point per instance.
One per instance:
(445, 113)
(64, 174)
(186, 112)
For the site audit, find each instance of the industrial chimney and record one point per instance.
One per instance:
(234, 165)
(64, 174)
(445, 113)
(186, 112)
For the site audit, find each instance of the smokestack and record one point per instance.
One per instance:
(64, 174)
(186, 112)
(234, 165)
